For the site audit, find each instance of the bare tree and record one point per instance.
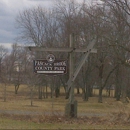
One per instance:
(3, 53)
(3, 74)
(119, 20)
(119, 36)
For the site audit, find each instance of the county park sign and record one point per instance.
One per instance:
(50, 66)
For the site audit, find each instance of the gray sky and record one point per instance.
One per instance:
(8, 12)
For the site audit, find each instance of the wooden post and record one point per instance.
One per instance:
(71, 68)
(71, 107)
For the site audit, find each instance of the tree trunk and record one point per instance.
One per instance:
(57, 92)
(46, 92)
(16, 88)
(43, 93)
(57, 87)
(85, 93)
(5, 93)
(63, 83)
(109, 91)
(40, 92)
(67, 94)
(51, 92)
(100, 82)
(78, 92)
(31, 96)
(90, 92)
(118, 93)
(100, 95)
(118, 87)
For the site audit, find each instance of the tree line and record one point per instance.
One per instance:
(107, 22)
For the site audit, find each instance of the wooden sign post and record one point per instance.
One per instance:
(71, 107)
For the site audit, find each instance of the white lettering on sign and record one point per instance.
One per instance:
(60, 63)
(39, 63)
(43, 68)
(59, 68)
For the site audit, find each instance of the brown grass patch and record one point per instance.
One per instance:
(113, 119)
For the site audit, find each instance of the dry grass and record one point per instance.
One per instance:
(117, 121)
(21, 101)
(111, 113)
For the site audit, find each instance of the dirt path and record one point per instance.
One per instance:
(18, 112)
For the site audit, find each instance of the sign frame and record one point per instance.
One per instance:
(50, 68)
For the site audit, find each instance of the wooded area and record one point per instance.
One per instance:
(108, 22)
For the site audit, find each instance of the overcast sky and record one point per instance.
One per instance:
(8, 12)
(9, 9)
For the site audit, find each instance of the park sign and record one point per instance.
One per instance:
(50, 66)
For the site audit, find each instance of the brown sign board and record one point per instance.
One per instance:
(57, 67)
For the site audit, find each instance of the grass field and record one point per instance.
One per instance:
(17, 112)
(16, 124)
